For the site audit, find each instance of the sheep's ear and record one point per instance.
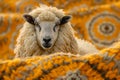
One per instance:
(65, 19)
(29, 18)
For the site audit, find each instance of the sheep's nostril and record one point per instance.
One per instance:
(46, 40)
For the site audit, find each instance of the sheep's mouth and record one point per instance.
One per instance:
(46, 45)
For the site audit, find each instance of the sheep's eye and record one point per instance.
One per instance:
(38, 26)
(55, 27)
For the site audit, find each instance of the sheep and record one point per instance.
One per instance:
(48, 30)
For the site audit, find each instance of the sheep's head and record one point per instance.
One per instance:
(47, 27)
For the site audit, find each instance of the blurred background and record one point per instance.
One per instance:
(97, 21)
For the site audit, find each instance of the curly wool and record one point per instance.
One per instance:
(66, 42)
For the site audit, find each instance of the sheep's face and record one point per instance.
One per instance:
(47, 31)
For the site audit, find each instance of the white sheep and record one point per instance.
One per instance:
(46, 31)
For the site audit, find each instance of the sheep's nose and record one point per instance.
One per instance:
(46, 40)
